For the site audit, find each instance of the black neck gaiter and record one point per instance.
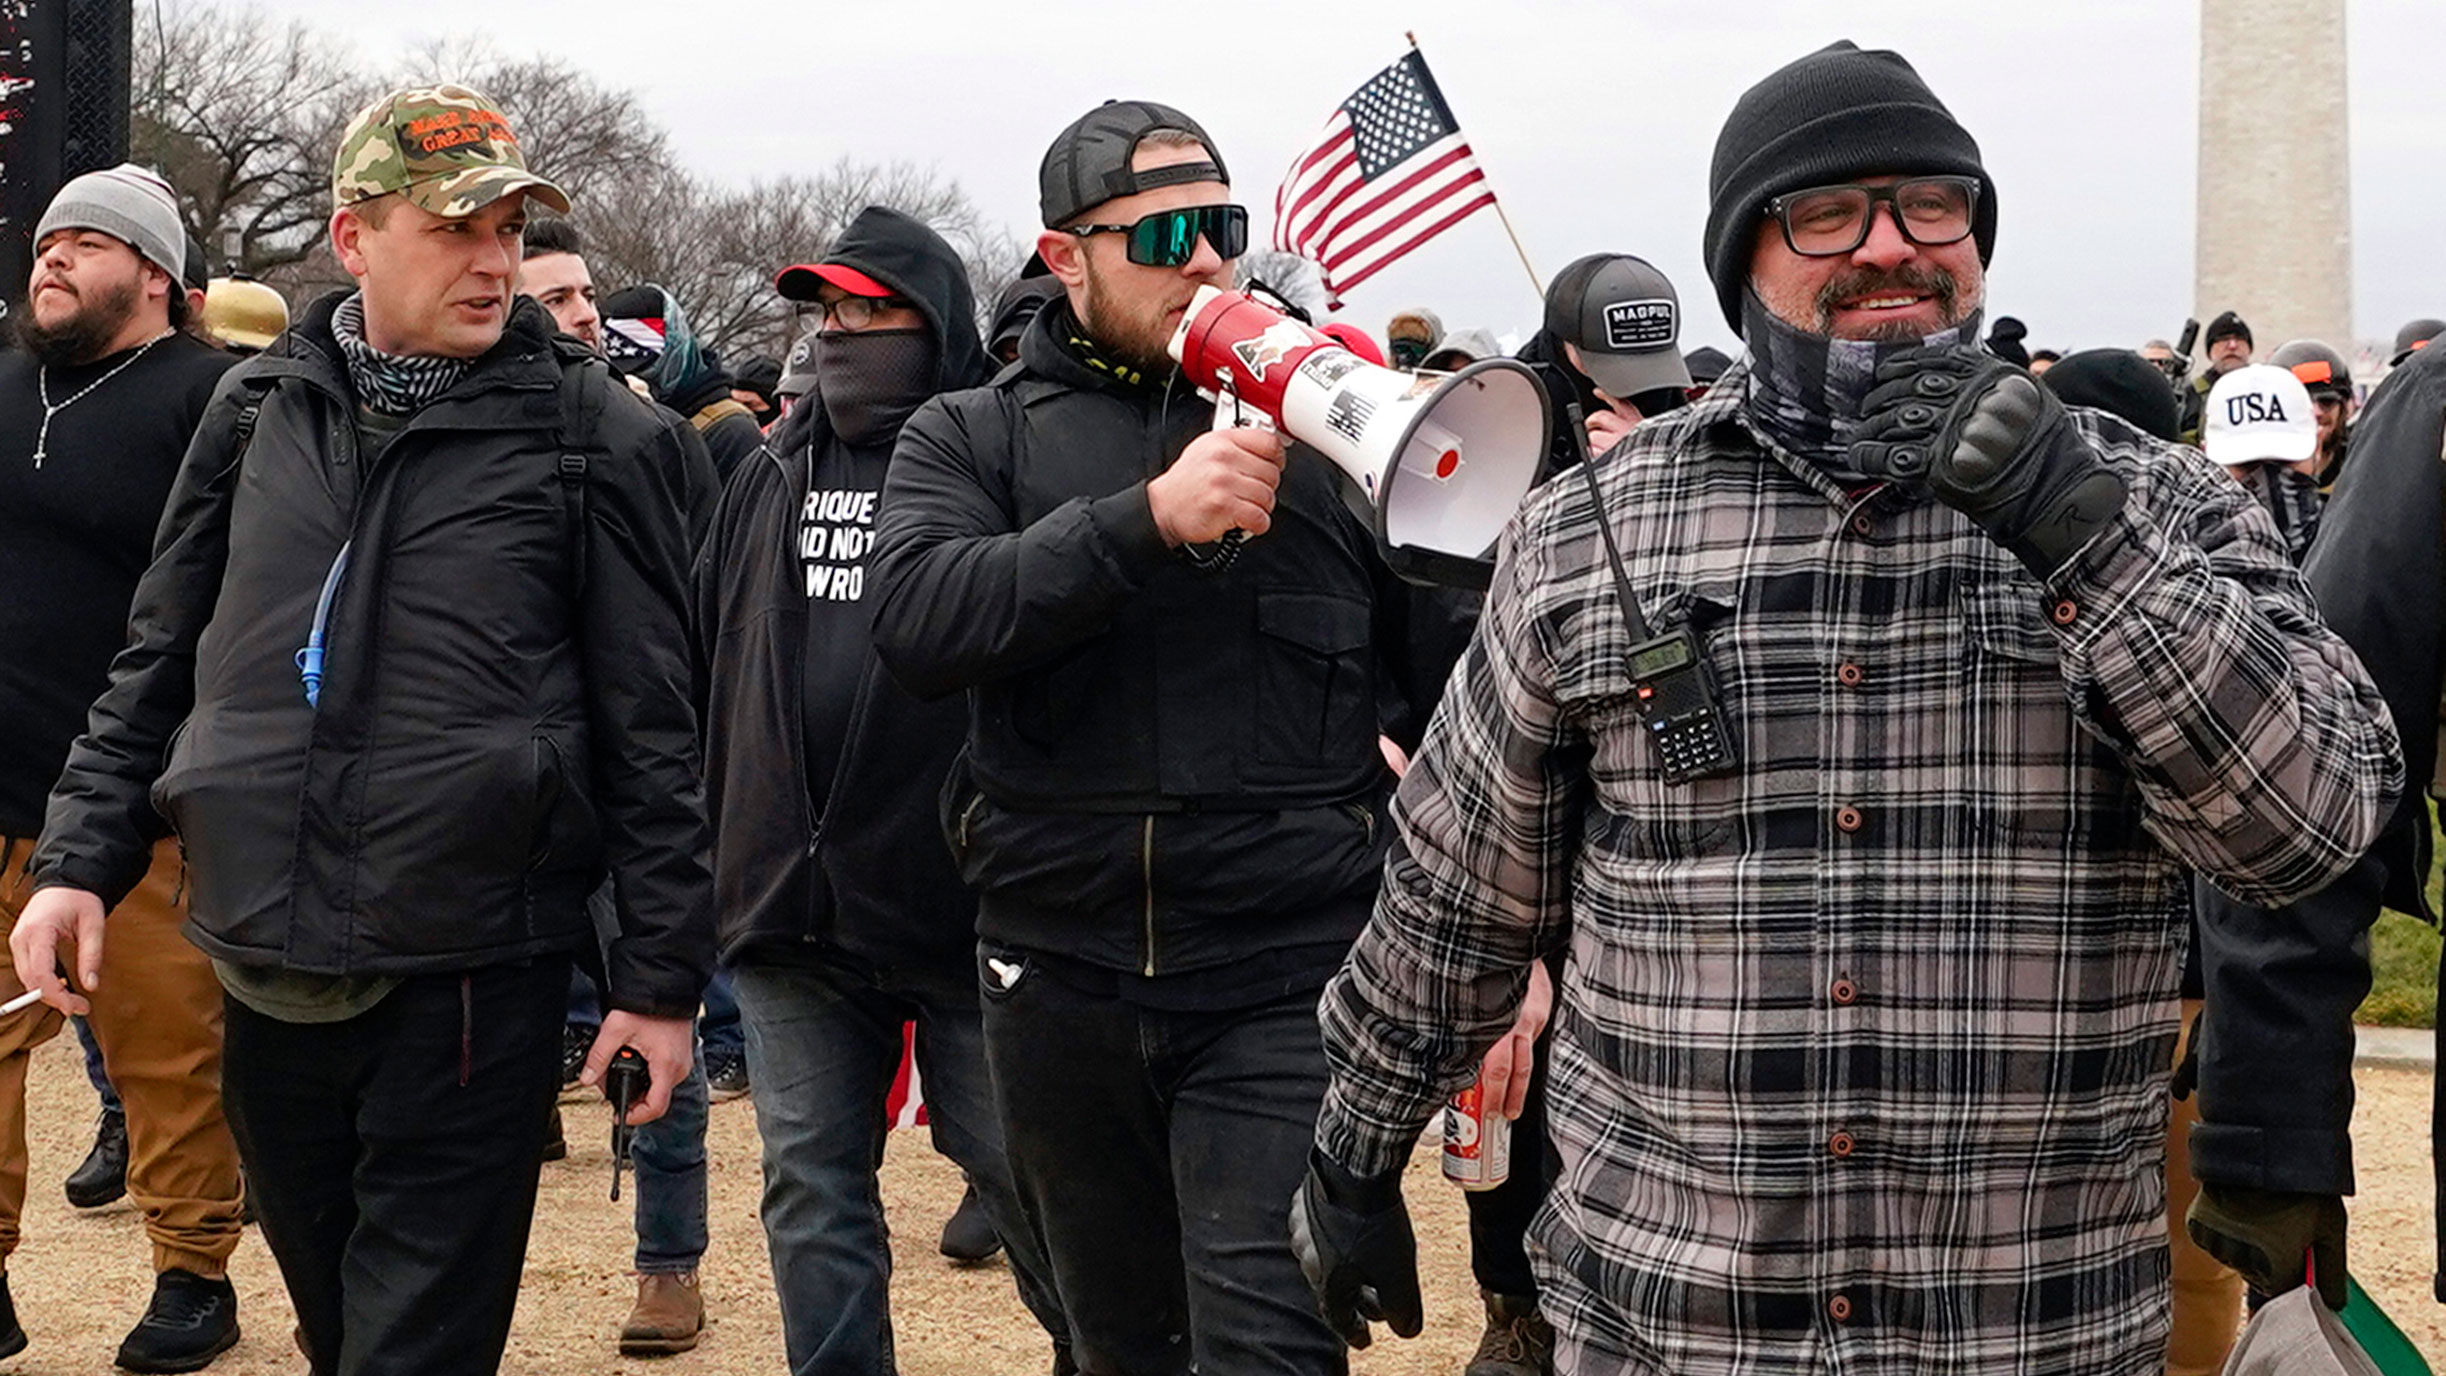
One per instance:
(1806, 390)
(872, 381)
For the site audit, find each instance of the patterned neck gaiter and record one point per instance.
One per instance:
(1806, 390)
(388, 384)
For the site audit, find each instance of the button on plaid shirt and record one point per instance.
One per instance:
(1861, 1052)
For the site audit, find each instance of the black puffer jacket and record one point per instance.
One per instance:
(871, 876)
(489, 735)
(1172, 769)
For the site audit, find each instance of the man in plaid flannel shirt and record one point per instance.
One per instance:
(1861, 1047)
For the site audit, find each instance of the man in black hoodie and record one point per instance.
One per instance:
(842, 916)
(1173, 794)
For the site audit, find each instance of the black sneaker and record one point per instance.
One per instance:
(968, 1235)
(190, 1321)
(102, 1178)
(576, 1041)
(556, 1138)
(725, 1075)
(12, 1333)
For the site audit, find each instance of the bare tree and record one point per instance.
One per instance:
(243, 117)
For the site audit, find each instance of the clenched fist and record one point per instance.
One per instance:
(1224, 481)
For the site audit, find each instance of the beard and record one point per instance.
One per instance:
(85, 335)
(1137, 336)
(1910, 277)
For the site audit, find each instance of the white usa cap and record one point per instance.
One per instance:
(2260, 413)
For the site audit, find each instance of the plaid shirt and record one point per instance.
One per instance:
(1861, 1053)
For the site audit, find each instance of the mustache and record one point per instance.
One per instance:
(1855, 283)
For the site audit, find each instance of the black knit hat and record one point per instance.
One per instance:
(2227, 326)
(1837, 114)
(2120, 383)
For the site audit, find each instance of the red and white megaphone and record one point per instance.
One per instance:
(1444, 458)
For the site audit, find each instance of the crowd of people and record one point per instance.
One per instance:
(424, 696)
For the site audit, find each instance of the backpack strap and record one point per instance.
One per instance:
(715, 412)
(581, 407)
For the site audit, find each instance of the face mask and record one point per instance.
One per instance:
(872, 381)
(1806, 390)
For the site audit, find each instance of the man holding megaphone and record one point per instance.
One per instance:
(1172, 800)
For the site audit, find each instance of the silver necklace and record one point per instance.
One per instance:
(42, 385)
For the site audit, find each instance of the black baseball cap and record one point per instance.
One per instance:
(1624, 318)
(1089, 162)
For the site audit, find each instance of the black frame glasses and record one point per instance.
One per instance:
(1169, 238)
(1934, 225)
(853, 313)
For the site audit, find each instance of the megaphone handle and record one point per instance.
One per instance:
(1231, 415)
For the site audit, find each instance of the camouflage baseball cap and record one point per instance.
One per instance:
(445, 148)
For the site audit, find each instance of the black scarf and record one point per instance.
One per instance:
(1806, 390)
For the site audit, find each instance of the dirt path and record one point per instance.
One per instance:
(80, 1280)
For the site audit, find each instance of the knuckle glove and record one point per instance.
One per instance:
(1991, 442)
(2267, 1235)
(1353, 1240)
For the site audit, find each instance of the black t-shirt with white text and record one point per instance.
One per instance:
(836, 534)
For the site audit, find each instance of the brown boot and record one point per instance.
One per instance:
(669, 1316)
(1518, 1340)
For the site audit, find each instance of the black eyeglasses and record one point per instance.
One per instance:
(1169, 238)
(852, 312)
(1825, 221)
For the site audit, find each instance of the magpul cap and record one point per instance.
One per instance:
(1089, 163)
(1624, 318)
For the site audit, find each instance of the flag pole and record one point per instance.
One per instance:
(1537, 284)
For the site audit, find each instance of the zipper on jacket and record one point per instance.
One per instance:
(1146, 863)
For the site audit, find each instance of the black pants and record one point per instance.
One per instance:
(1156, 1152)
(393, 1161)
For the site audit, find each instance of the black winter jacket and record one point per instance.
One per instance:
(893, 896)
(498, 717)
(1169, 769)
(2276, 1046)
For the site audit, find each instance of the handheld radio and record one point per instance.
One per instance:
(1674, 688)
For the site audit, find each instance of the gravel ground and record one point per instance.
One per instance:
(81, 1279)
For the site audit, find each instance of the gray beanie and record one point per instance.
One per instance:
(129, 203)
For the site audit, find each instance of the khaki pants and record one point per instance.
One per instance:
(2207, 1293)
(157, 1018)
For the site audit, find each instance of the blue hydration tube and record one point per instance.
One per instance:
(310, 659)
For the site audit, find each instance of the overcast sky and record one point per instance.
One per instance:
(1594, 119)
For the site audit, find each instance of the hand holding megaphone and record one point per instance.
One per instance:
(1443, 459)
(1224, 481)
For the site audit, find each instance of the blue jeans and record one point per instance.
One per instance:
(670, 1157)
(95, 1075)
(823, 1043)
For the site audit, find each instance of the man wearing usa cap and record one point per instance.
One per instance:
(404, 702)
(1169, 804)
(1852, 729)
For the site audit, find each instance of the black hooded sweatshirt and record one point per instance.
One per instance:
(822, 773)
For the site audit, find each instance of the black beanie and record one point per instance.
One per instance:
(2226, 326)
(2120, 383)
(1832, 116)
(2004, 341)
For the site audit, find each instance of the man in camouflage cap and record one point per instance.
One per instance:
(475, 534)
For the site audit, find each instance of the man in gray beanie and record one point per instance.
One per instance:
(97, 407)
(1852, 729)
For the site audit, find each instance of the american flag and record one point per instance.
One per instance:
(1389, 172)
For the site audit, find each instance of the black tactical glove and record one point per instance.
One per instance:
(1994, 444)
(2266, 1234)
(1353, 1240)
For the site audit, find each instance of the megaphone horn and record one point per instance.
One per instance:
(1444, 458)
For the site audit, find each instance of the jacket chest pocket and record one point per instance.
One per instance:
(1315, 692)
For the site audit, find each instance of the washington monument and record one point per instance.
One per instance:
(2275, 203)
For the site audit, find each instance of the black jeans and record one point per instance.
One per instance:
(1156, 1152)
(393, 1161)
